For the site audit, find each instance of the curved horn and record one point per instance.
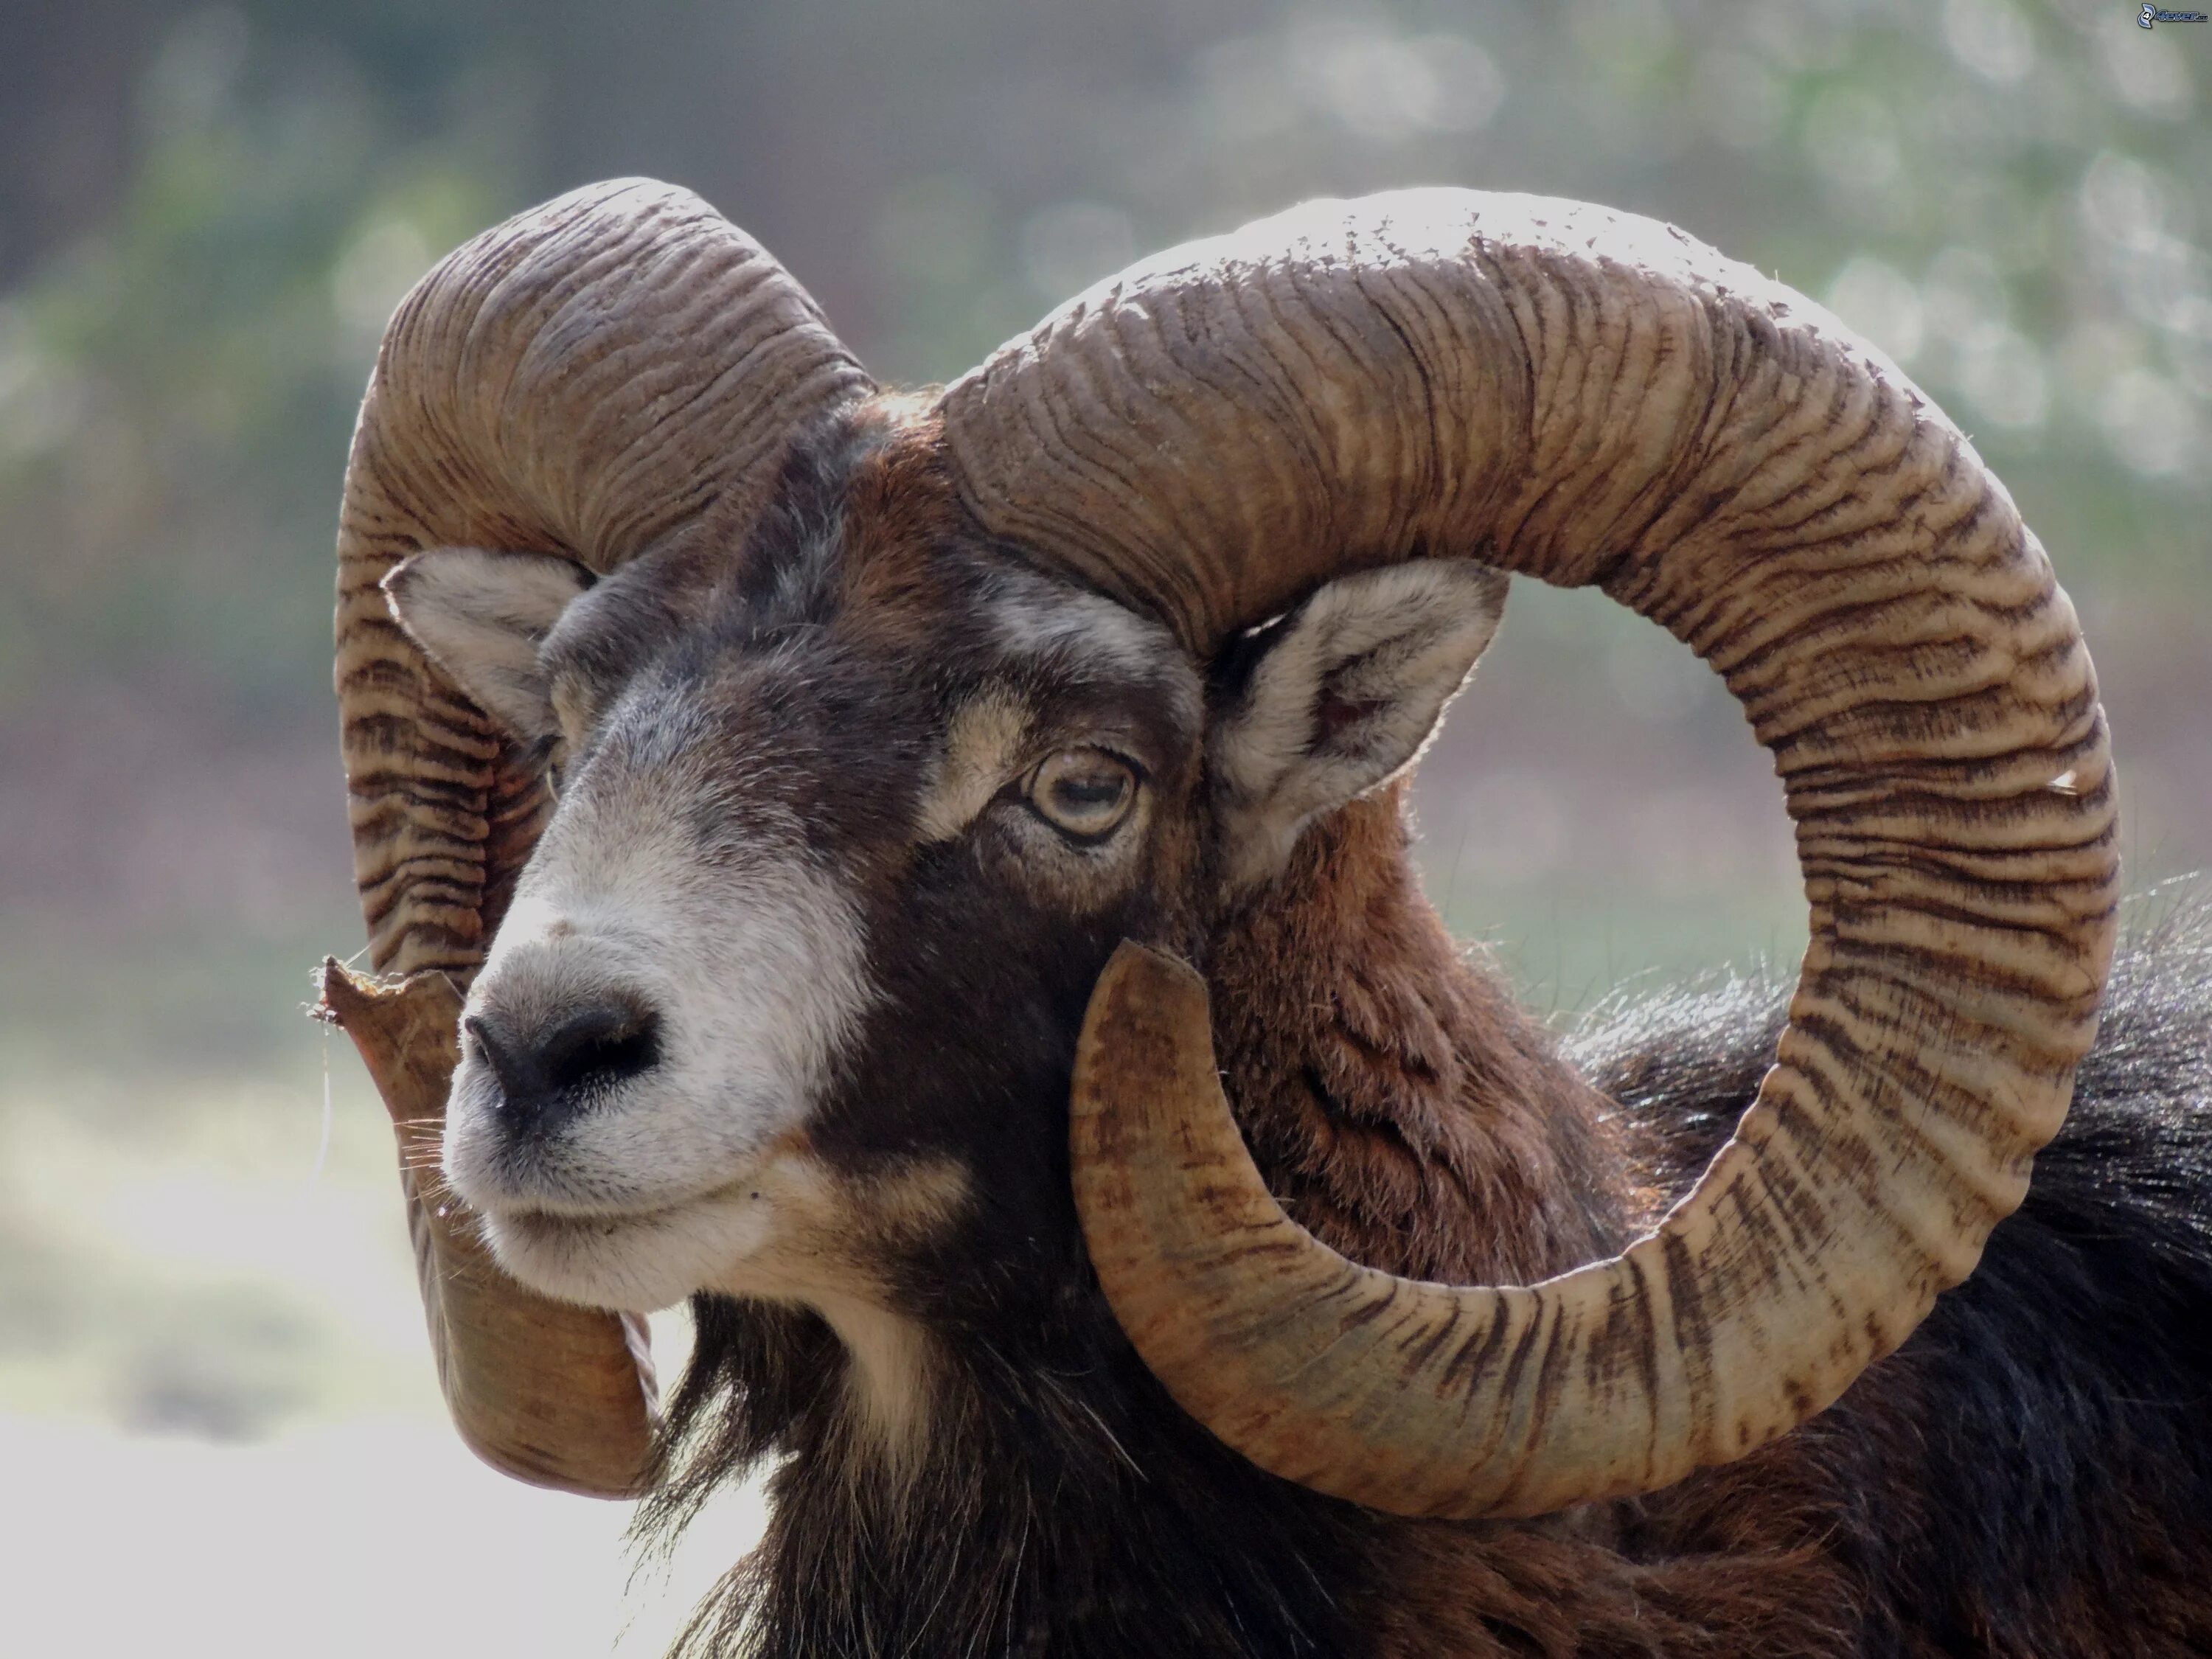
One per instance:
(551, 1393)
(585, 379)
(1597, 400)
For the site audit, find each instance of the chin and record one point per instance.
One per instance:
(635, 1263)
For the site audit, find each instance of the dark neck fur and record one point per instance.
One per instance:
(1062, 1507)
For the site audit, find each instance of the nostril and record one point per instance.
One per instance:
(508, 1058)
(606, 1044)
(547, 1075)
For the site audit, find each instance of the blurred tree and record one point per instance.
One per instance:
(207, 212)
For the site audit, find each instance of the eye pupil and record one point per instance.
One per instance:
(1080, 792)
(1083, 792)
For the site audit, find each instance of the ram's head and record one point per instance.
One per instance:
(789, 763)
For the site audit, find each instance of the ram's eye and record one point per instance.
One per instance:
(1085, 793)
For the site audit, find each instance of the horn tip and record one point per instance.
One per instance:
(1147, 1002)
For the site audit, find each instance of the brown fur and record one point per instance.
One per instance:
(1404, 1108)
(1410, 1114)
(1413, 1116)
(900, 508)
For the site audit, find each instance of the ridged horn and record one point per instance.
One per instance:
(587, 379)
(1594, 399)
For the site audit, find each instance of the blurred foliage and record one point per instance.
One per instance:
(214, 209)
(2009, 198)
(176, 388)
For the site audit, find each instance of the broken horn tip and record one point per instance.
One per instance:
(346, 993)
(335, 990)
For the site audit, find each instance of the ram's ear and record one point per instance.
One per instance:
(480, 617)
(1339, 696)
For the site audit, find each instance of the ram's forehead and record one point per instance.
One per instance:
(1054, 635)
(1059, 624)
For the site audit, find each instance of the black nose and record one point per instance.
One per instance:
(549, 1073)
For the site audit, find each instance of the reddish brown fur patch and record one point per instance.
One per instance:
(1404, 1108)
(900, 506)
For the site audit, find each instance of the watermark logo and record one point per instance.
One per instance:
(2150, 14)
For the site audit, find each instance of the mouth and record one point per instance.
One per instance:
(637, 1262)
(542, 1203)
(643, 1256)
(552, 1220)
(596, 1181)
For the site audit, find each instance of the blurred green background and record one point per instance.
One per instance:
(206, 213)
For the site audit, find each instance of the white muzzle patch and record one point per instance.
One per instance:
(751, 961)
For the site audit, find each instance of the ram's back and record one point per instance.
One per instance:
(2031, 1472)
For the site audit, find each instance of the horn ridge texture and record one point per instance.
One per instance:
(1594, 399)
(588, 379)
